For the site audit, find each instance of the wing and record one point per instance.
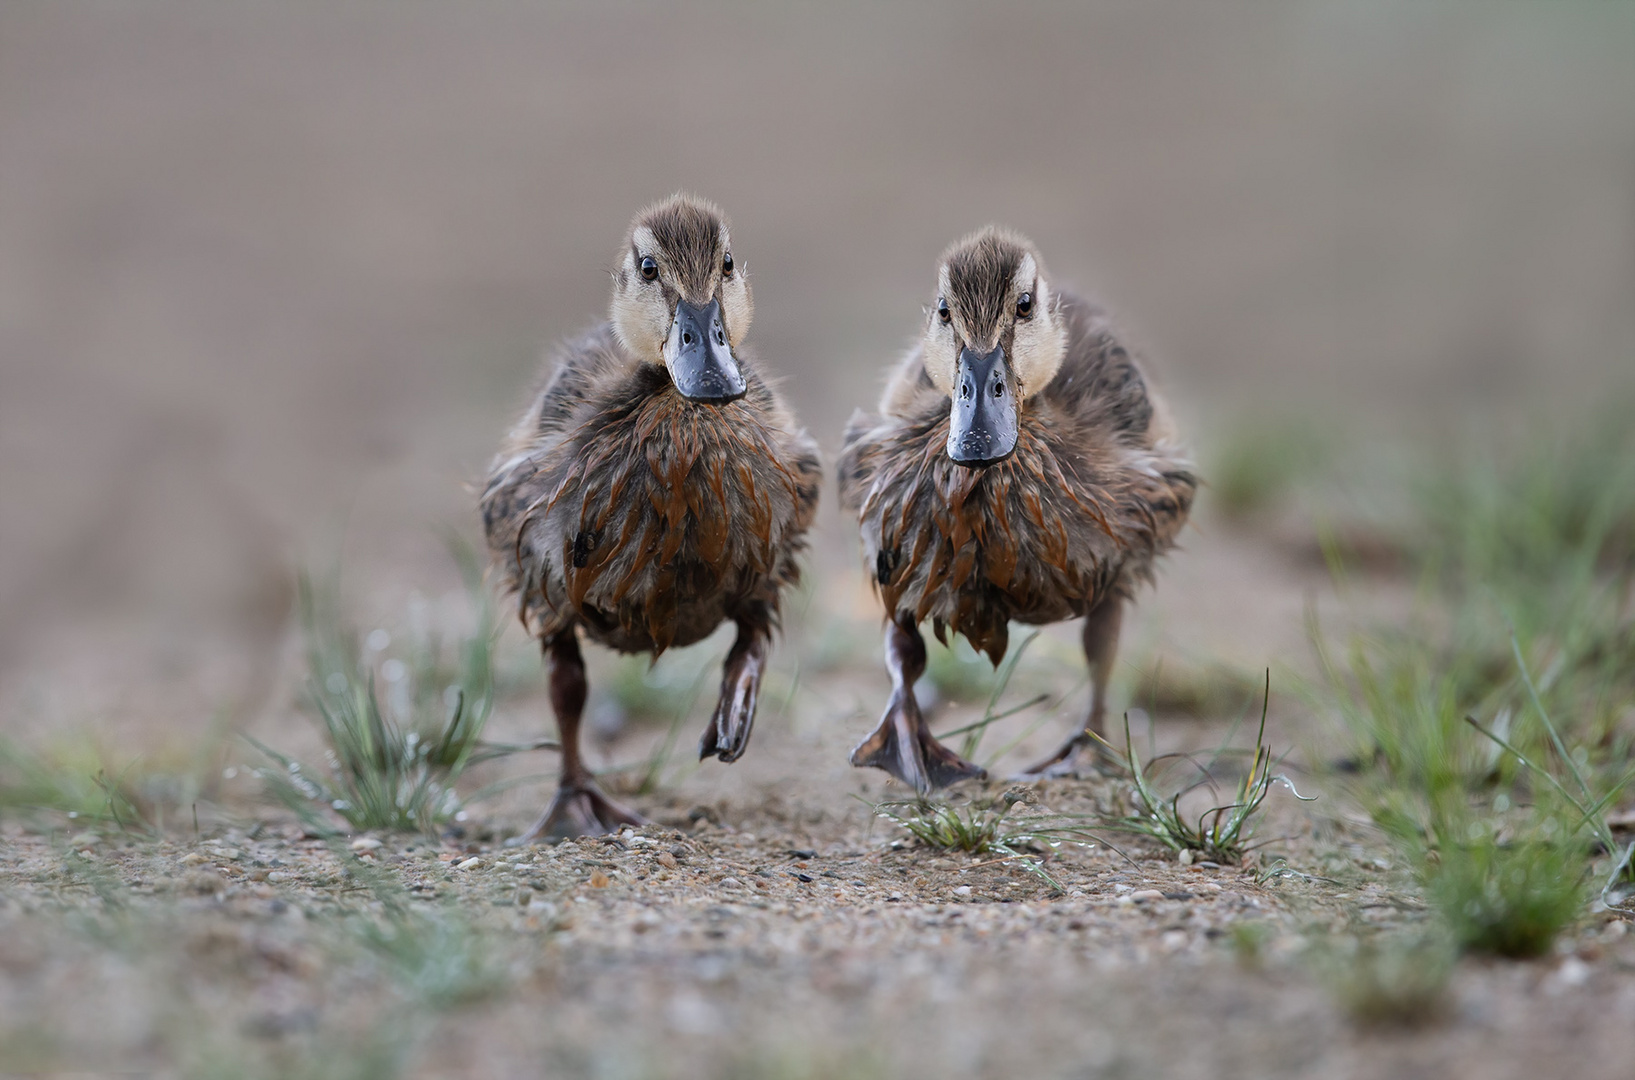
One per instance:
(910, 398)
(1110, 412)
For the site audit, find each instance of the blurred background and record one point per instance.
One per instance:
(276, 274)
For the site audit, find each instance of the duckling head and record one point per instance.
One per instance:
(993, 339)
(681, 300)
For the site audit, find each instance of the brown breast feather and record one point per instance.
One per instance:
(681, 499)
(1045, 534)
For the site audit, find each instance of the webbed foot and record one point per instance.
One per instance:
(1082, 756)
(727, 736)
(904, 747)
(580, 809)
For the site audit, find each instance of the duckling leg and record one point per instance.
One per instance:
(728, 733)
(903, 744)
(579, 808)
(1084, 750)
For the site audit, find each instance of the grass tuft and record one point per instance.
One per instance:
(985, 826)
(1222, 833)
(978, 829)
(1508, 898)
(1591, 810)
(1527, 562)
(1397, 983)
(73, 781)
(1529, 550)
(1501, 885)
(392, 766)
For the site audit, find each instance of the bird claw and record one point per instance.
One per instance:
(579, 809)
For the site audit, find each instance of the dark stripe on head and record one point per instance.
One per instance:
(688, 233)
(981, 269)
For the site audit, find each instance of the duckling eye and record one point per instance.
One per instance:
(1024, 305)
(726, 264)
(942, 309)
(650, 269)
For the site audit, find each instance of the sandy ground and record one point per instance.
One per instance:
(273, 280)
(769, 924)
(774, 930)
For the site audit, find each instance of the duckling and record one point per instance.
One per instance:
(1020, 468)
(655, 487)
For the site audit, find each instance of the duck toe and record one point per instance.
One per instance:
(727, 735)
(580, 809)
(905, 748)
(1081, 757)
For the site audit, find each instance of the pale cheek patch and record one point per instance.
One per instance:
(738, 307)
(941, 358)
(1037, 347)
(641, 322)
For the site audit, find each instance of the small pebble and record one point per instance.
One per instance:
(278, 877)
(366, 843)
(731, 883)
(524, 897)
(1142, 896)
(1573, 972)
(666, 860)
(193, 858)
(1185, 858)
(598, 880)
(963, 890)
(470, 864)
(203, 882)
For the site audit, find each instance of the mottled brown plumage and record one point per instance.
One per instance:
(642, 516)
(645, 517)
(1065, 526)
